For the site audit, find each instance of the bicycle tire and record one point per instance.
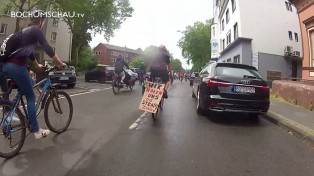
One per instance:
(115, 84)
(23, 133)
(161, 104)
(154, 115)
(51, 101)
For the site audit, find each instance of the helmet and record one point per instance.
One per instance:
(38, 14)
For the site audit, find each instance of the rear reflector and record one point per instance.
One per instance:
(264, 88)
(213, 83)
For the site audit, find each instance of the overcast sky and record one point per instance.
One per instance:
(156, 22)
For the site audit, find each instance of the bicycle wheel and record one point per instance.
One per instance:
(115, 86)
(161, 104)
(154, 115)
(12, 136)
(60, 111)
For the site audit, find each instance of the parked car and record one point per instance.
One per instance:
(135, 70)
(101, 73)
(228, 87)
(66, 76)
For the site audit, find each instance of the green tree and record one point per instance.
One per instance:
(195, 44)
(136, 62)
(176, 65)
(87, 59)
(99, 16)
(22, 6)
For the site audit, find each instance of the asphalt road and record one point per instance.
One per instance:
(104, 140)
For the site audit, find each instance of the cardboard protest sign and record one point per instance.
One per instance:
(152, 96)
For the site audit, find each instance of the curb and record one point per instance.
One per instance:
(303, 132)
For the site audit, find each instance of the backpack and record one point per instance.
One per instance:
(10, 46)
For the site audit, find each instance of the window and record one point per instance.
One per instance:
(227, 16)
(55, 22)
(222, 24)
(296, 37)
(113, 60)
(290, 35)
(235, 31)
(223, 44)
(228, 37)
(288, 6)
(229, 60)
(237, 72)
(311, 37)
(214, 32)
(236, 59)
(233, 5)
(3, 28)
(54, 36)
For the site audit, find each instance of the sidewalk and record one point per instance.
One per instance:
(294, 119)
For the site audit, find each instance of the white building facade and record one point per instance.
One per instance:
(265, 34)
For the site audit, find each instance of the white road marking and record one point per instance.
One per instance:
(90, 91)
(138, 121)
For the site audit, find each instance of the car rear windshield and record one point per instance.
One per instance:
(237, 72)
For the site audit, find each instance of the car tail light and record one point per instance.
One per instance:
(264, 88)
(214, 83)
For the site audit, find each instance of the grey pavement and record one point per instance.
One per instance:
(180, 142)
(293, 118)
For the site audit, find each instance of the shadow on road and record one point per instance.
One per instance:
(233, 119)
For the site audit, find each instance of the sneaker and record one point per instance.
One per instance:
(41, 133)
(165, 94)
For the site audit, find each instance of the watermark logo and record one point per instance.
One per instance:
(46, 14)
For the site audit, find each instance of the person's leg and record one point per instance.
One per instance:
(165, 78)
(122, 75)
(20, 75)
(4, 85)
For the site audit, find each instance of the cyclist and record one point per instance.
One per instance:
(119, 65)
(17, 70)
(181, 74)
(161, 67)
(141, 73)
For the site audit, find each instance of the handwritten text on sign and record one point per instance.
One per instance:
(152, 96)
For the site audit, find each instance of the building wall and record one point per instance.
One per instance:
(63, 41)
(271, 62)
(234, 18)
(267, 22)
(103, 57)
(306, 72)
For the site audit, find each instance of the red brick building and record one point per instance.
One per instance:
(306, 16)
(107, 54)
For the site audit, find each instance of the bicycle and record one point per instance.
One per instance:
(157, 80)
(49, 95)
(117, 85)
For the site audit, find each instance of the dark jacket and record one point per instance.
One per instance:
(120, 63)
(32, 39)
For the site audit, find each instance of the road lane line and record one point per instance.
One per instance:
(138, 121)
(91, 91)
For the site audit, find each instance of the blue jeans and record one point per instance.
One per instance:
(25, 83)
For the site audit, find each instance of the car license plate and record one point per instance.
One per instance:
(241, 89)
(64, 78)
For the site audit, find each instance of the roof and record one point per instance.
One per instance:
(119, 48)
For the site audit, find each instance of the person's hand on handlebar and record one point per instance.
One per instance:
(62, 66)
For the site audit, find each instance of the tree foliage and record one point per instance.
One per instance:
(195, 44)
(99, 16)
(136, 62)
(87, 59)
(176, 65)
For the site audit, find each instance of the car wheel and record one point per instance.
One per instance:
(193, 94)
(71, 85)
(102, 80)
(199, 109)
